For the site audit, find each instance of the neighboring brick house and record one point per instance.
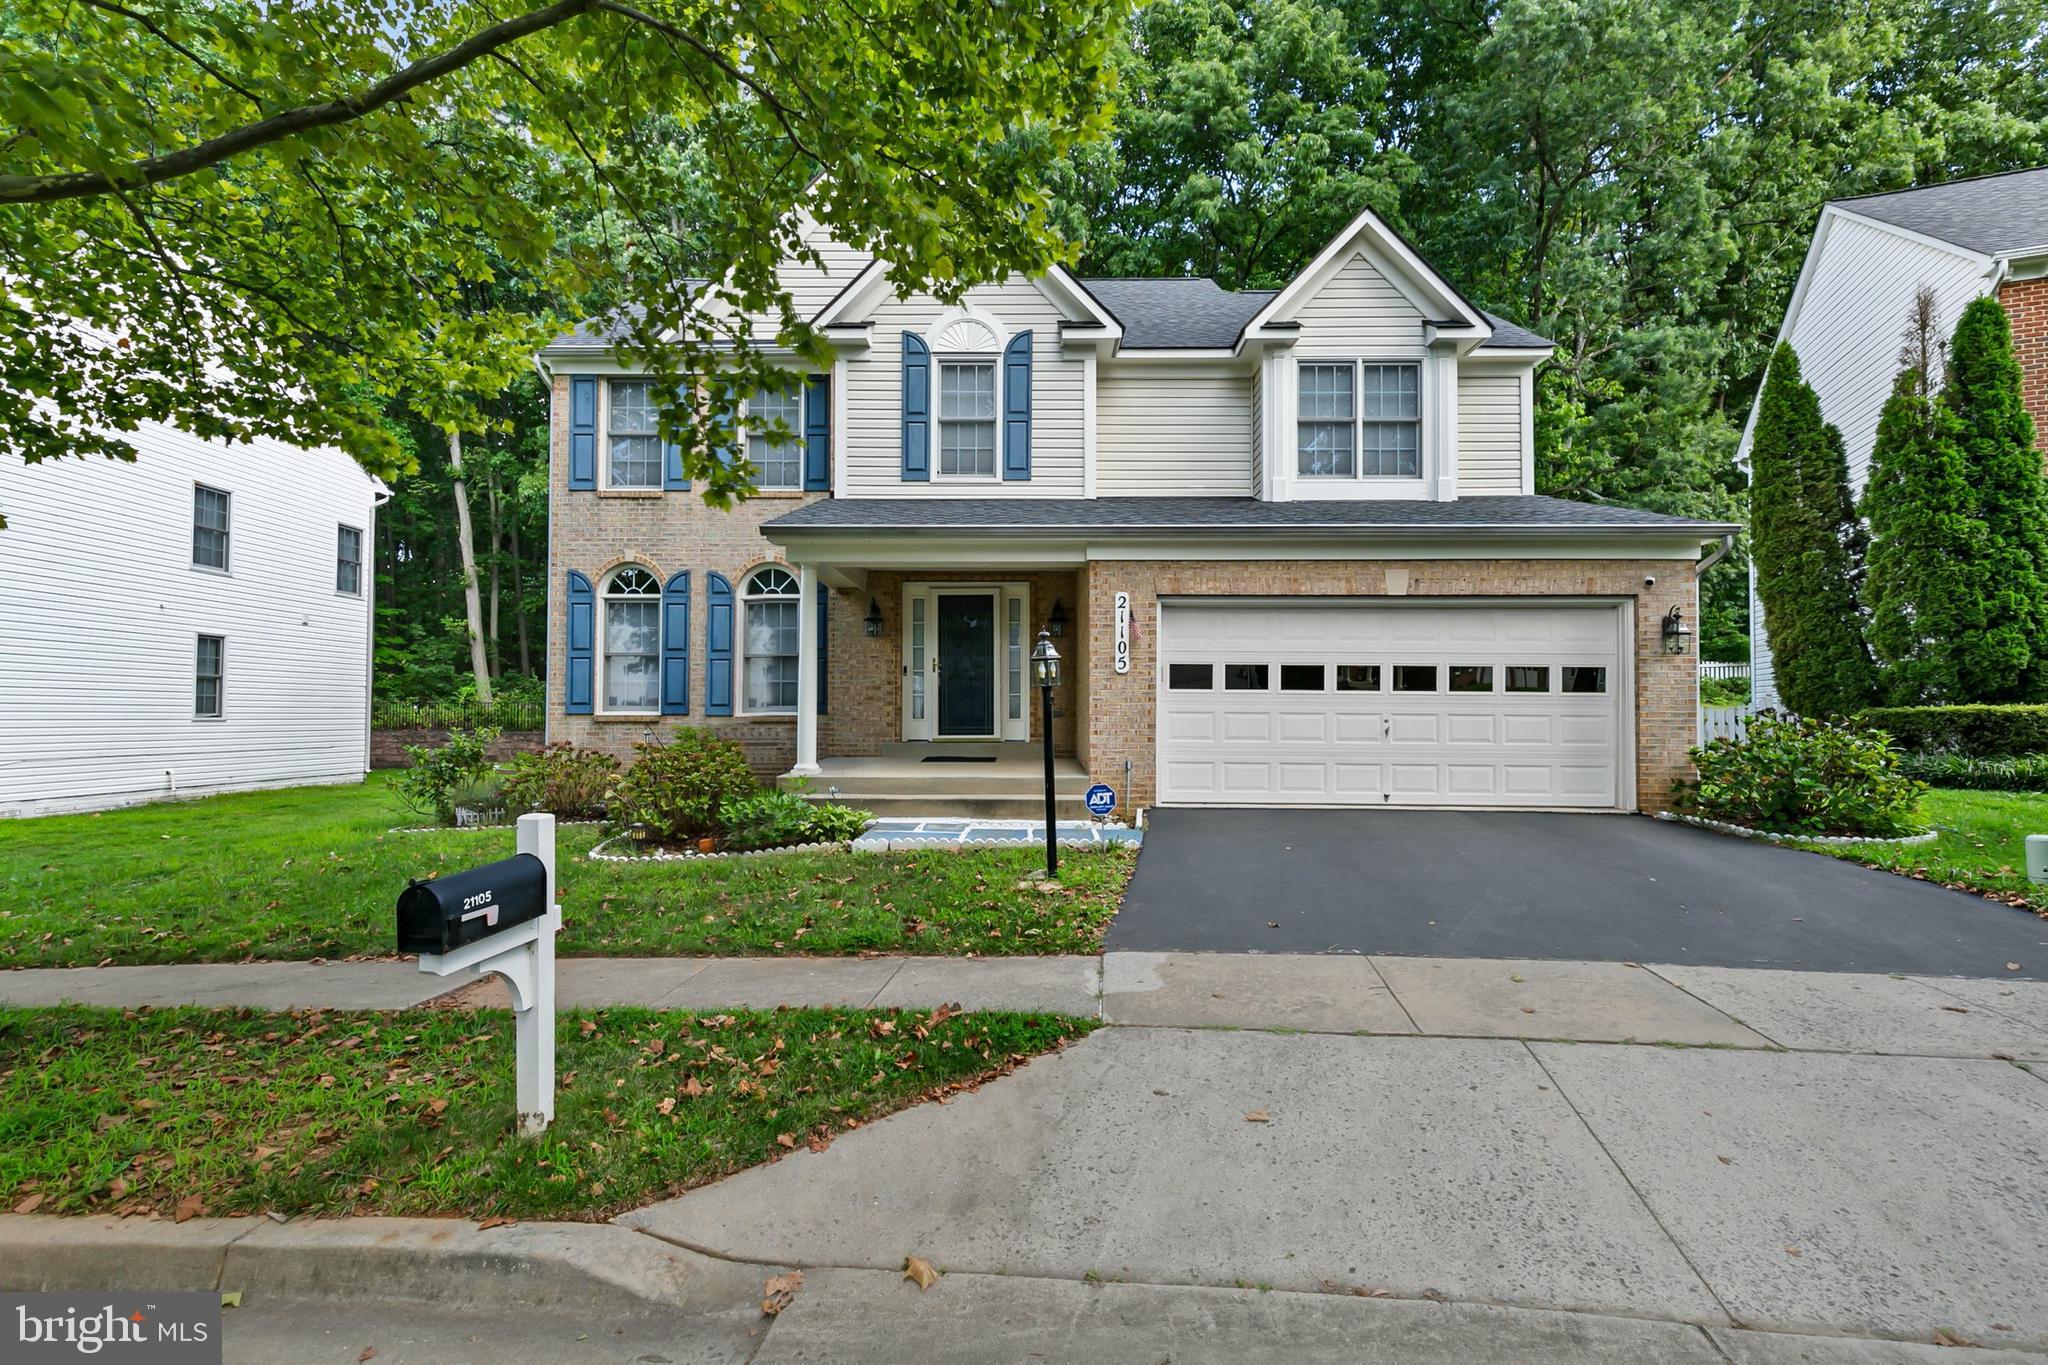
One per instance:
(1286, 542)
(1869, 260)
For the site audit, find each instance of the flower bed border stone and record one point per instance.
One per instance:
(598, 853)
(1745, 832)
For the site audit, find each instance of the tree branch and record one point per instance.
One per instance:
(47, 189)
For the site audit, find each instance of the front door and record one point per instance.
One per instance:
(967, 658)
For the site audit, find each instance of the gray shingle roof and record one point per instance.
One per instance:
(1513, 336)
(598, 331)
(1221, 514)
(1177, 314)
(1992, 214)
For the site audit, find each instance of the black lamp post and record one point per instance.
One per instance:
(1045, 676)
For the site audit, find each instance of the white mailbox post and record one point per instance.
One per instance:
(525, 956)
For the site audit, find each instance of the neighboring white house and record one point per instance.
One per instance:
(1869, 260)
(196, 621)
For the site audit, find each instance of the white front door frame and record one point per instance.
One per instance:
(919, 699)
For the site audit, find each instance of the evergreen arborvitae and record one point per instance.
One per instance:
(1804, 537)
(1920, 584)
(2007, 658)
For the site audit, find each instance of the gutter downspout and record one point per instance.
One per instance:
(547, 647)
(1720, 553)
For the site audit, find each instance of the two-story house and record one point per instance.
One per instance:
(1285, 541)
(196, 621)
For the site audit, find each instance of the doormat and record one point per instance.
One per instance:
(958, 758)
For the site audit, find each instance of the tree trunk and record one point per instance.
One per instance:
(519, 595)
(497, 555)
(472, 608)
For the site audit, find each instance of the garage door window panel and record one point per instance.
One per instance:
(1471, 678)
(1301, 678)
(1358, 677)
(1246, 678)
(1191, 677)
(1415, 677)
(1582, 679)
(1528, 678)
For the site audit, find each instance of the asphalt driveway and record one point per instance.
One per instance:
(1513, 885)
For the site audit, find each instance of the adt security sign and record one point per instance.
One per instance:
(1100, 799)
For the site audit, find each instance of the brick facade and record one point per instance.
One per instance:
(1121, 707)
(2026, 303)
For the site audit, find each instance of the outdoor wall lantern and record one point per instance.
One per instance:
(1676, 632)
(873, 620)
(1045, 675)
(1056, 621)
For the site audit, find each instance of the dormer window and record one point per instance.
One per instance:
(967, 419)
(1359, 419)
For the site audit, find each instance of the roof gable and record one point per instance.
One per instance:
(1993, 215)
(1368, 236)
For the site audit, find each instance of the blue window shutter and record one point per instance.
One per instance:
(818, 434)
(675, 645)
(824, 643)
(577, 690)
(1017, 407)
(672, 481)
(917, 410)
(582, 431)
(717, 645)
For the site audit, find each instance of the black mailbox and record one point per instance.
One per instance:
(453, 911)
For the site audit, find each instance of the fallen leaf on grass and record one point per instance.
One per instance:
(780, 1292)
(920, 1272)
(496, 1220)
(1258, 1116)
(667, 1106)
(30, 1204)
(786, 1139)
(188, 1208)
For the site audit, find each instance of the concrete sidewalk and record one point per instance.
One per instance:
(1607, 1002)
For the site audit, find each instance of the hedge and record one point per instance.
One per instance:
(1977, 731)
(2026, 773)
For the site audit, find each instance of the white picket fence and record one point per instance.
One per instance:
(1710, 669)
(1723, 722)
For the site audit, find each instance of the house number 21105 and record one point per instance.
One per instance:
(1123, 632)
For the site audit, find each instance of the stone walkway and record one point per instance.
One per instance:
(1312, 993)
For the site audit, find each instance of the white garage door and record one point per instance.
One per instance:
(1349, 703)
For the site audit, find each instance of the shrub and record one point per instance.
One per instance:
(766, 819)
(1724, 691)
(2025, 773)
(1978, 731)
(504, 713)
(837, 824)
(571, 783)
(458, 771)
(1795, 776)
(677, 789)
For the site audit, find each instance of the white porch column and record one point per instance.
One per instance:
(806, 673)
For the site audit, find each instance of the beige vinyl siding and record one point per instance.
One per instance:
(1359, 312)
(810, 288)
(1258, 472)
(1490, 434)
(874, 401)
(1173, 433)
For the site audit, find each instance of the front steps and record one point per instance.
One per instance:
(898, 782)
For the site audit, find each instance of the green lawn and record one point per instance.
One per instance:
(1982, 847)
(315, 872)
(190, 1111)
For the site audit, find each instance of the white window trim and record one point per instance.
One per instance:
(954, 355)
(362, 555)
(220, 692)
(804, 622)
(605, 597)
(604, 431)
(803, 405)
(1358, 476)
(227, 531)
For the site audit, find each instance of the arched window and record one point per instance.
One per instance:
(773, 608)
(632, 640)
(967, 347)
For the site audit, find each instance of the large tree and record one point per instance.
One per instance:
(2006, 659)
(1920, 586)
(248, 218)
(1807, 542)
